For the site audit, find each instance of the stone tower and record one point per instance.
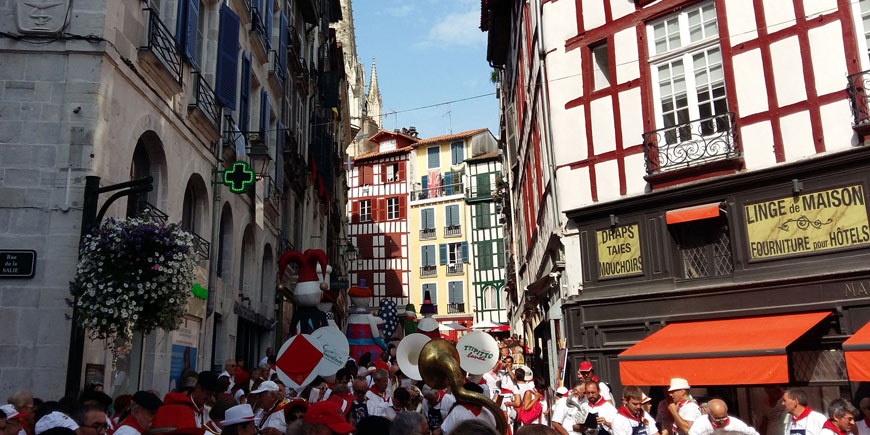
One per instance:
(373, 99)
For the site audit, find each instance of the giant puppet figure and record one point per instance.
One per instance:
(363, 335)
(308, 290)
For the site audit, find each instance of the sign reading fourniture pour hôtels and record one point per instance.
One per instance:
(619, 251)
(812, 222)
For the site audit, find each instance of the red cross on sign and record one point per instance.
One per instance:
(297, 360)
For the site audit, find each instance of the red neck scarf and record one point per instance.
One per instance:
(599, 402)
(803, 415)
(687, 399)
(623, 411)
(130, 421)
(716, 424)
(833, 428)
(473, 409)
(867, 420)
(383, 395)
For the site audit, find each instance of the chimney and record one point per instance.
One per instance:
(412, 131)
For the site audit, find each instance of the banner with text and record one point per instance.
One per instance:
(619, 252)
(812, 222)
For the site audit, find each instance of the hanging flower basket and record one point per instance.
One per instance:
(133, 274)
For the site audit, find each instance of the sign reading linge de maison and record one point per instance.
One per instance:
(619, 252)
(812, 222)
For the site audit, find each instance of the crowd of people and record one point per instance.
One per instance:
(375, 397)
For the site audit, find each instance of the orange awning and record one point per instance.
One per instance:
(857, 350)
(717, 352)
(693, 213)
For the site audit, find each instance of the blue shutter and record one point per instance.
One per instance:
(180, 23)
(228, 57)
(279, 157)
(448, 218)
(448, 183)
(255, 10)
(424, 184)
(442, 248)
(244, 95)
(192, 20)
(465, 252)
(267, 22)
(283, 37)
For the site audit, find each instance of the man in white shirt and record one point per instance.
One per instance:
(229, 372)
(841, 415)
(378, 394)
(599, 408)
(563, 415)
(270, 413)
(864, 425)
(802, 420)
(586, 373)
(631, 418)
(717, 421)
(462, 412)
(269, 353)
(683, 407)
(491, 379)
(436, 405)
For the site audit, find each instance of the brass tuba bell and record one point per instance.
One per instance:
(439, 366)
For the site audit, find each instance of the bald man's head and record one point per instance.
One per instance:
(718, 408)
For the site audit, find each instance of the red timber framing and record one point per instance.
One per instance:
(639, 19)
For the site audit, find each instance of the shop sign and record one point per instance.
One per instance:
(619, 252)
(808, 223)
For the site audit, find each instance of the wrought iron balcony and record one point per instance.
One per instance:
(426, 271)
(859, 97)
(454, 268)
(452, 230)
(161, 43)
(205, 101)
(201, 246)
(437, 191)
(257, 26)
(144, 209)
(456, 308)
(427, 233)
(691, 144)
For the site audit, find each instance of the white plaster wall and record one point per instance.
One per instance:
(607, 180)
(593, 14)
(558, 23)
(569, 135)
(797, 136)
(741, 21)
(572, 188)
(836, 127)
(757, 141)
(635, 169)
(603, 137)
(625, 46)
(565, 80)
(621, 8)
(779, 14)
(631, 117)
(788, 75)
(749, 81)
(815, 7)
(829, 59)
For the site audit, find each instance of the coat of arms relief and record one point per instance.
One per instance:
(42, 16)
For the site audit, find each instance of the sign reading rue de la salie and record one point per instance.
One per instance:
(619, 252)
(807, 223)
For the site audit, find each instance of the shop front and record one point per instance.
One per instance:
(736, 284)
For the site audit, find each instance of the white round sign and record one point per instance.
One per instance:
(335, 350)
(478, 352)
(297, 360)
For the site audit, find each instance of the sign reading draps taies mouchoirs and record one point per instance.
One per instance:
(812, 222)
(619, 251)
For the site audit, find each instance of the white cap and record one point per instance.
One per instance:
(10, 411)
(266, 386)
(562, 390)
(53, 420)
(238, 414)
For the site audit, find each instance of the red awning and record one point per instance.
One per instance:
(857, 350)
(500, 328)
(693, 213)
(717, 352)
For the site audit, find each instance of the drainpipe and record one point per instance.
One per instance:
(209, 321)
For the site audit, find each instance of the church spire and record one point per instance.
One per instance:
(373, 99)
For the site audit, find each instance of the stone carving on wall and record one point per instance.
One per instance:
(42, 16)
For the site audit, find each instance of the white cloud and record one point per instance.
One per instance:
(460, 29)
(401, 11)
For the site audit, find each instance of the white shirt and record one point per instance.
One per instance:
(444, 405)
(703, 426)
(374, 401)
(232, 380)
(276, 420)
(127, 430)
(689, 411)
(460, 414)
(604, 409)
(863, 429)
(604, 390)
(622, 425)
(810, 424)
(564, 415)
(491, 383)
(386, 410)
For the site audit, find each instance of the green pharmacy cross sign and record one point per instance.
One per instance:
(239, 177)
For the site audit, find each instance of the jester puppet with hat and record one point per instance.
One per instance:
(309, 288)
(363, 335)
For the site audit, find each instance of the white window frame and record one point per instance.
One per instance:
(454, 249)
(393, 208)
(490, 297)
(685, 53)
(365, 210)
(394, 168)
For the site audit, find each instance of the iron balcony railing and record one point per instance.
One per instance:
(205, 100)
(691, 144)
(430, 270)
(144, 209)
(427, 233)
(454, 268)
(201, 246)
(258, 26)
(455, 308)
(452, 230)
(162, 44)
(478, 193)
(437, 191)
(859, 98)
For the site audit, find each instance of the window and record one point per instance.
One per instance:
(457, 153)
(427, 255)
(451, 214)
(455, 295)
(392, 172)
(481, 215)
(365, 210)
(484, 255)
(189, 215)
(453, 253)
(490, 298)
(202, 31)
(433, 293)
(434, 155)
(601, 67)
(484, 188)
(703, 247)
(427, 218)
(687, 71)
(392, 208)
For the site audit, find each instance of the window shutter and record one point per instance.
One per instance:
(383, 174)
(455, 211)
(448, 183)
(283, 40)
(465, 252)
(279, 156)
(424, 254)
(354, 212)
(382, 209)
(424, 182)
(267, 23)
(448, 217)
(442, 253)
(401, 171)
(228, 57)
(244, 97)
(264, 114)
(180, 26)
(403, 207)
(191, 28)
(483, 187)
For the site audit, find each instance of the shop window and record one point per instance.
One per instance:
(703, 248)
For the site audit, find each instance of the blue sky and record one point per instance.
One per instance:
(427, 52)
